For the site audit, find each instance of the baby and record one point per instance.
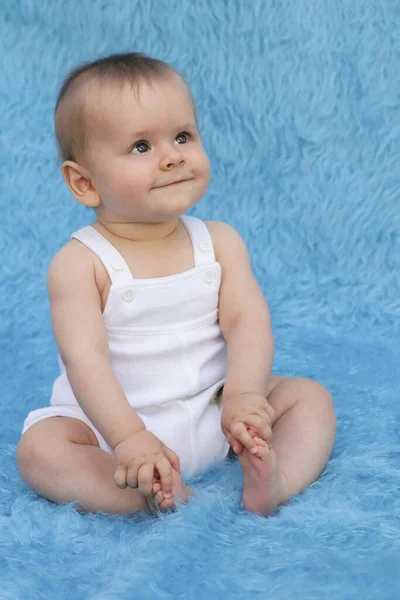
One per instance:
(164, 336)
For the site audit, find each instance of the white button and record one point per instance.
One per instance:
(117, 266)
(209, 276)
(205, 246)
(128, 295)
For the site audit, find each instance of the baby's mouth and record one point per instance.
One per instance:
(183, 180)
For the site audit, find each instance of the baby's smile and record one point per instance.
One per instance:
(182, 180)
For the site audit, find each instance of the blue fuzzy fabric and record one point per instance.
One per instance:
(299, 106)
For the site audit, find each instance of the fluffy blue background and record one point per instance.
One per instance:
(299, 107)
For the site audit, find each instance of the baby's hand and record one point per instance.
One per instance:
(142, 458)
(244, 413)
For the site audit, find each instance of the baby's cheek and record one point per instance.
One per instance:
(204, 168)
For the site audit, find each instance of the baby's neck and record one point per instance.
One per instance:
(139, 232)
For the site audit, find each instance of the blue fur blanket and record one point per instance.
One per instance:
(299, 107)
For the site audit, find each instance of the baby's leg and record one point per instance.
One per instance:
(60, 459)
(303, 437)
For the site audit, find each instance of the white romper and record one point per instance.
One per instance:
(166, 349)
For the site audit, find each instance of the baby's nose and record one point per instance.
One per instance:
(172, 159)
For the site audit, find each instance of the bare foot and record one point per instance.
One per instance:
(180, 493)
(264, 484)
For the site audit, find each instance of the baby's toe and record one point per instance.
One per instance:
(260, 442)
(167, 504)
(159, 497)
(263, 452)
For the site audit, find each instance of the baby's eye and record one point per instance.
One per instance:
(182, 137)
(141, 147)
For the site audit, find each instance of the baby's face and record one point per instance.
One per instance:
(146, 158)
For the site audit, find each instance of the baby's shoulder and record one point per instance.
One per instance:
(71, 254)
(226, 240)
(220, 231)
(73, 262)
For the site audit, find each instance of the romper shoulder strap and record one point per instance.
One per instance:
(203, 248)
(115, 264)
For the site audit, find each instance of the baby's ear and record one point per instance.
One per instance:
(80, 183)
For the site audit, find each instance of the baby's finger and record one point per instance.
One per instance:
(156, 488)
(239, 431)
(132, 475)
(229, 437)
(255, 421)
(145, 479)
(267, 434)
(173, 459)
(238, 447)
(164, 468)
(120, 477)
(271, 412)
(235, 444)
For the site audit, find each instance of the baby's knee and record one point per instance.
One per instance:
(322, 403)
(317, 401)
(315, 391)
(35, 459)
(324, 398)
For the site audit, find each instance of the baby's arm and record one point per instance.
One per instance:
(246, 326)
(81, 338)
(83, 345)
